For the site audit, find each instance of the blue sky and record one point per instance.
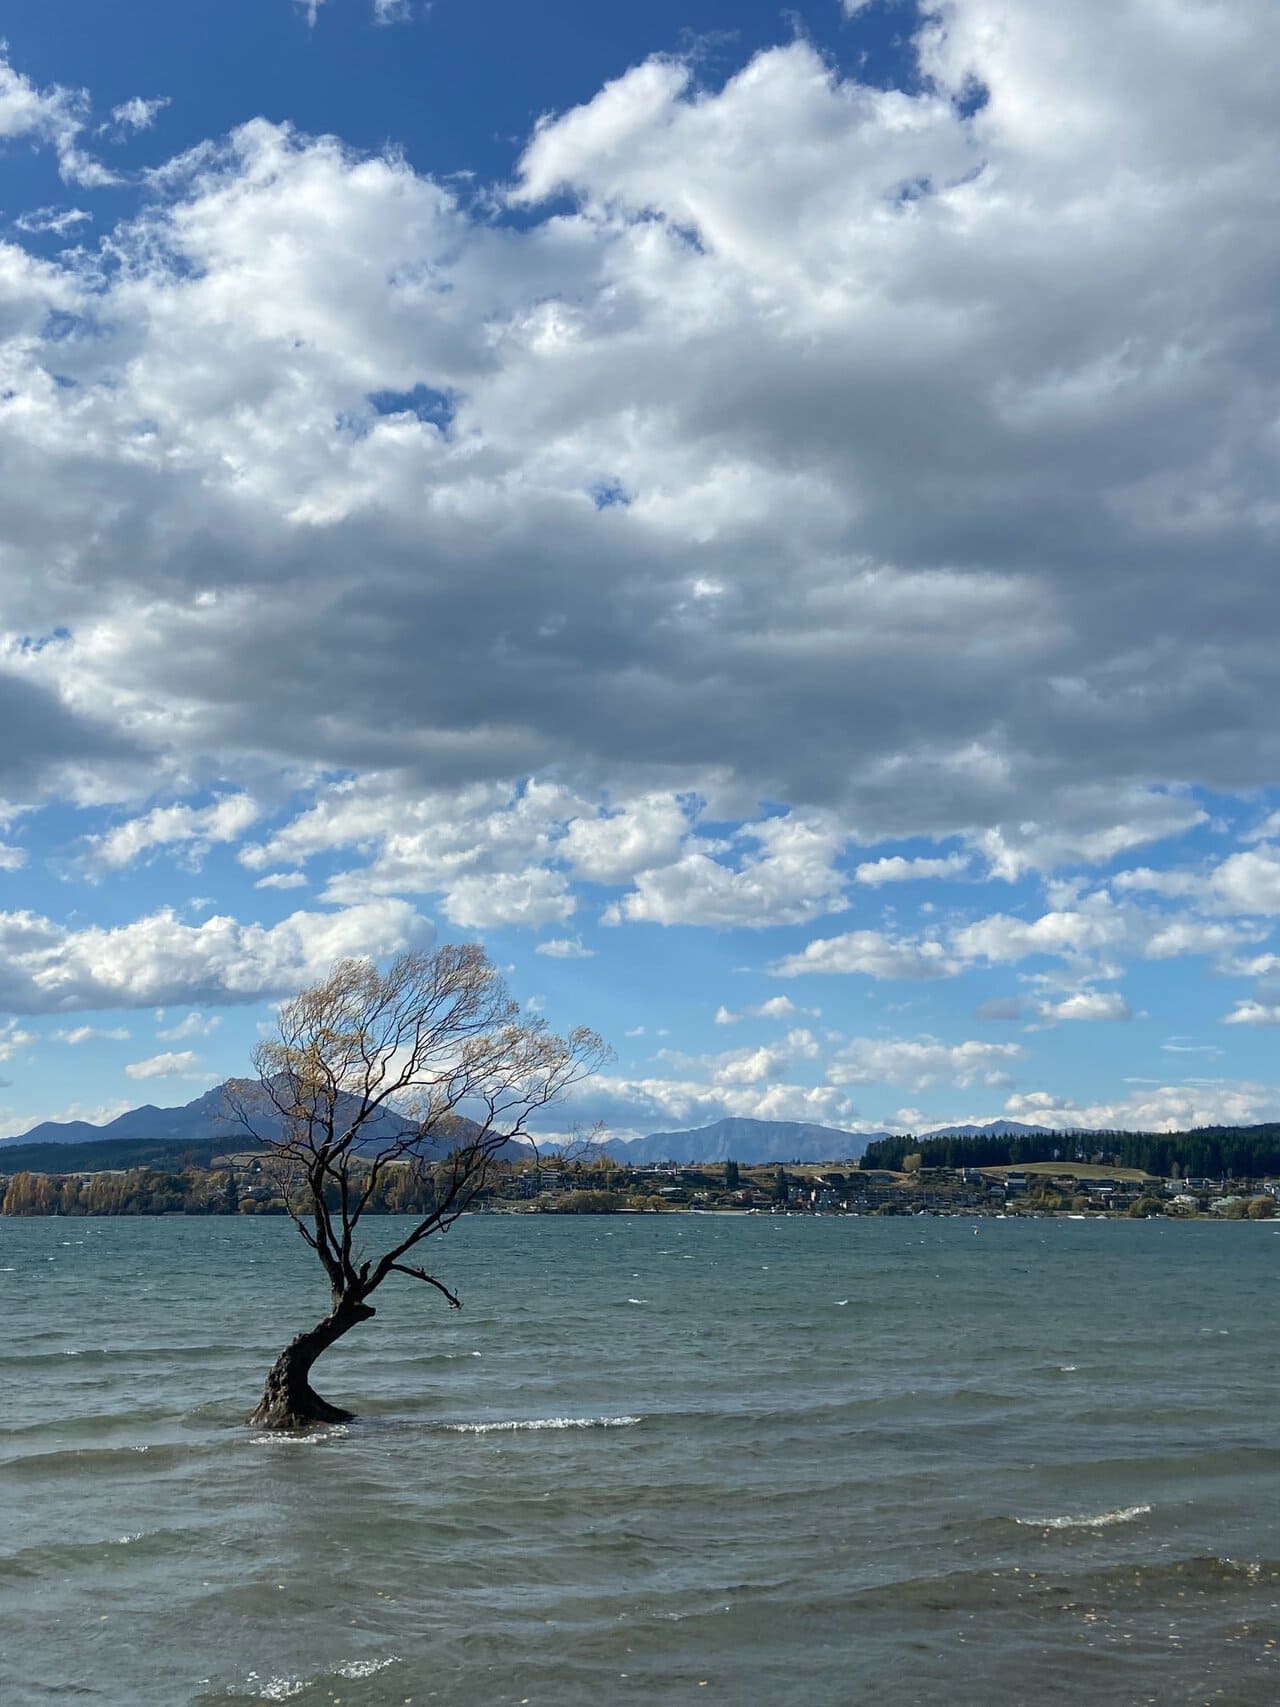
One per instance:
(764, 518)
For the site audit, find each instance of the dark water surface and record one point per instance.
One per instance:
(655, 1459)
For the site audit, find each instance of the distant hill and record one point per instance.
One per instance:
(194, 1122)
(992, 1129)
(151, 1135)
(109, 1155)
(748, 1141)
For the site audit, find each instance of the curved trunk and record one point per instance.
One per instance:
(288, 1400)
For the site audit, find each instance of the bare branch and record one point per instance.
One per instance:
(428, 1064)
(455, 1303)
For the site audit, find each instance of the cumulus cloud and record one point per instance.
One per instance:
(935, 364)
(1153, 1107)
(565, 948)
(774, 1007)
(14, 1038)
(54, 116)
(1254, 1013)
(1088, 1005)
(194, 1025)
(635, 1105)
(792, 878)
(871, 953)
(642, 835)
(158, 960)
(920, 1062)
(879, 409)
(78, 1034)
(195, 829)
(896, 869)
(177, 1064)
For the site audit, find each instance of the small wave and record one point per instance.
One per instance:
(300, 1437)
(1103, 1520)
(365, 1668)
(637, 1300)
(522, 1427)
(275, 1688)
(285, 1688)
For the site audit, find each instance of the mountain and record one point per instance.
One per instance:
(748, 1141)
(208, 1119)
(992, 1129)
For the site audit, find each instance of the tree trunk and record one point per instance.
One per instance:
(288, 1400)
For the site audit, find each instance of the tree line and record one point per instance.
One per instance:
(153, 1191)
(1211, 1152)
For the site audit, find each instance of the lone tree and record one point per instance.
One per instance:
(427, 1067)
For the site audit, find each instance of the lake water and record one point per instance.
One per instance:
(655, 1459)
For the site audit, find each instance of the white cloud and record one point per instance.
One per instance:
(77, 1034)
(158, 960)
(1153, 1107)
(1254, 1013)
(96, 1114)
(774, 1007)
(921, 1062)
(11, 858)
(629, 1106)
(1176, 884)
(13, 1038)
(177, 1064)
(195, 829)
(534, 897)
(565, 948)
(1249, 882)
(137, 113)
(194, 1025)
(791, 879)
(928, 373)
(1002, 937)
(54, 116)
(392, 11)
(282, 880)
(895, 869)
(642, 835)
(55, 221)
(1092, 823)
(871, 953)
(1088, 1005)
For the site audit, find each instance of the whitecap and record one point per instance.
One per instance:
(300, 1437)
(275, 1688)
(1124, 1514)
(365, 1668)
(521, 1427)
(637, 1300)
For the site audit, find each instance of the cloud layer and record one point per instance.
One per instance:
(406, 541)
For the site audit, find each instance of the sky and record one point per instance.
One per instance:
(765, 518)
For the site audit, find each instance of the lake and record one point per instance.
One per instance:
(658, 1459)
